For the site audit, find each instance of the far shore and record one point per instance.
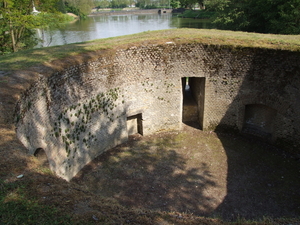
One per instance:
(129, 11)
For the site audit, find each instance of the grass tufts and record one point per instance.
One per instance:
(33, 57)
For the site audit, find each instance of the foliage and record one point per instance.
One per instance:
(17, 21)
(148, 4)
(150, 7)
(289, 18)
(216, 5)
(263, 16)
(143, 4)
(113, 3)
(102, 4)
(188, 4)
(197, 14)
(119, 3)
(79, 7)
(174, 4)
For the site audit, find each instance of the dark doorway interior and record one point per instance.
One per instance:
(134, 124)
(259, 120)
(193, 89)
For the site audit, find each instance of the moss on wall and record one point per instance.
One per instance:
(91, 100)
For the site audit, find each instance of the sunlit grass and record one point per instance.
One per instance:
(16, 207)
(28, 58)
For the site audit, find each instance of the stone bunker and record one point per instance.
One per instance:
(75, 114)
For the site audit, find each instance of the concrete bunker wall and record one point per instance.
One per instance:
(80, 112)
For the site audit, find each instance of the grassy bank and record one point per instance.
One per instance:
(33, 57)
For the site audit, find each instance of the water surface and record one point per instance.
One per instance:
(97, 27)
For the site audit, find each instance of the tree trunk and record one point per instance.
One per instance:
(13, 42)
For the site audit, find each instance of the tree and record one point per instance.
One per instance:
(79, 7)
(102, 4)
(17, 21)
(174, 4)
(216, 5)
(119, 3)
(288, 21)
(14, 24)
(231, 15)
(184, 3)
(188, 4)
(263, 16)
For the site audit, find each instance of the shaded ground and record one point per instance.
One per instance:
(161, 172)
(167, 178)
(200, 173)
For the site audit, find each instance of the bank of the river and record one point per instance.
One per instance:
(32, 57)
(127, 12)
(73, 15)
(182, 13)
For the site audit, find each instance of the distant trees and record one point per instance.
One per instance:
(190, 4)
(263, 16)
(113, 3)
(143, 4)
(79, 7)
(18, 18)
(119, 3)
(174, 4)
(152, 4)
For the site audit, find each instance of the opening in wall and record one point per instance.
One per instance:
(41, 155)
(193, 89)
(134, 124)
(259, 121)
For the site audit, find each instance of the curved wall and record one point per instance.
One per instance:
(78, 113)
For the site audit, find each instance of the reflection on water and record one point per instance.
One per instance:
(111, 26)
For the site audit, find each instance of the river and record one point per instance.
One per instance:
(97, 27)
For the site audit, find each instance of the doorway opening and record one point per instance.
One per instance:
(134, 124)
(259, 120)
(193, 90)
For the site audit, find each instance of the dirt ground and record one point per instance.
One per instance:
(201, 173)
(166, 178)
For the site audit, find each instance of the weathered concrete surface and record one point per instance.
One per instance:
(79, 112)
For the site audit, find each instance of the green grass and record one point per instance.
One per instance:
(25, 59)
(17, 208)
